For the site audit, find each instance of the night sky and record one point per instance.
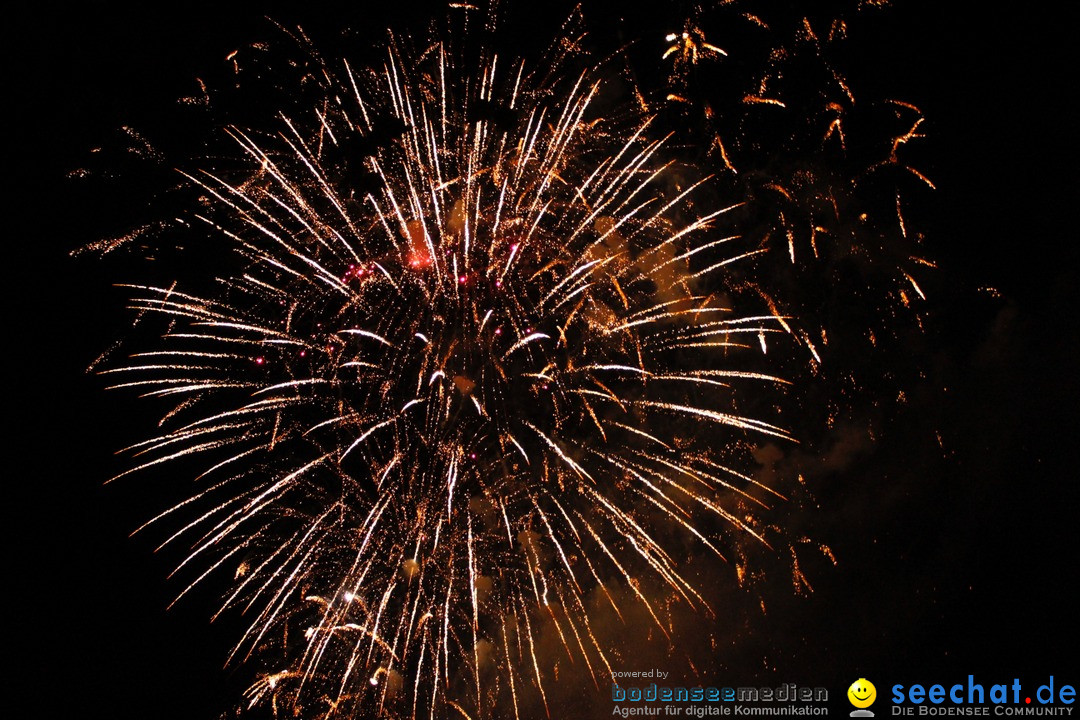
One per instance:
(953, 559)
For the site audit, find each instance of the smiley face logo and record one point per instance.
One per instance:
(862, 693)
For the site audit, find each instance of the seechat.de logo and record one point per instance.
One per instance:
(978, 698)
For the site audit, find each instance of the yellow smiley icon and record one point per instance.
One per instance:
(862, 693)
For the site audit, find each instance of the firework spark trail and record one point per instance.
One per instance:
(435, 415)
(827, 179)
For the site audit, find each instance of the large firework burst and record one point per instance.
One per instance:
(471, 377)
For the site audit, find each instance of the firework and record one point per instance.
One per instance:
(459, 375)
(828, 182)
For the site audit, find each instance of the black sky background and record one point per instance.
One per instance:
(950, 562)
